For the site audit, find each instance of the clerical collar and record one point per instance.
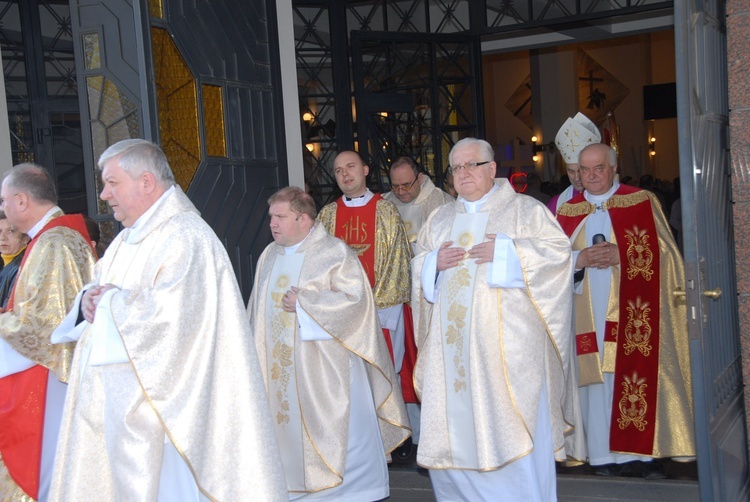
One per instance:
(599, 200)
(354, 198)
(474, 206)
(40, 224)
(294, 247)
(141, 221)
(359, 201)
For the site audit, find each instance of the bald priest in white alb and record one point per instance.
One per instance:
(575, 134)
(334, 395)
(166, 400)
(494, 310)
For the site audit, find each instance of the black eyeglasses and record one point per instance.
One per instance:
(404, 187)
(469, 165)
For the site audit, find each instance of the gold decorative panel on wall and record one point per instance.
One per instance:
(213, 118)
(176, 93)
(156, 8)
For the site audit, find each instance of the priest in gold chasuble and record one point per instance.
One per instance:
(335, 400)
(33, 373)
(630, 350)
(372, 227)
(492, 301)
(166, 400)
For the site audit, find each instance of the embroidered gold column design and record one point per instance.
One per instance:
(633, 404)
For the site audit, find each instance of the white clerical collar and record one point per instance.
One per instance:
(359, 201)
(294, 247)
(141, 221)
(474, 206)
(597, 200)
(40, 224)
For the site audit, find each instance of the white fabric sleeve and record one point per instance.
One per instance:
(106, 344)
(11, 361)
(505, 270)
(430, 276)
(309, 330)
(68, 330)
(390, 316)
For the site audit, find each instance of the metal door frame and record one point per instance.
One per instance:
(703, 123)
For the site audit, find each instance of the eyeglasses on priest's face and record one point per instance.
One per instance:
(404, 187)
(470, 166)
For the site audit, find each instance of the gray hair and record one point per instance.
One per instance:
(611, 153)
(138, 156)
(33, 180)
(485, 149)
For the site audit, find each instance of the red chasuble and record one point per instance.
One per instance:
(636, 333)
(356, 226)
(24, 397)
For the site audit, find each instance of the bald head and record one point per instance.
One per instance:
(28, 193)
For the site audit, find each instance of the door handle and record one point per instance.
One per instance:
(678, 293)
(713, 293)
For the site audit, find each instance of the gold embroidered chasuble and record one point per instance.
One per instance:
(181, 318)
(334, 291)
(503, 342)
(430, 198)
(392, 253)
(60, 263)
(629, 324)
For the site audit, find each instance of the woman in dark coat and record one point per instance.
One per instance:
(12, 246)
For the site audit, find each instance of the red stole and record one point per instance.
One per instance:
(356, 226)
(636, 333)
(23, 397)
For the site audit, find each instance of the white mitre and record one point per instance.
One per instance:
(575, 135)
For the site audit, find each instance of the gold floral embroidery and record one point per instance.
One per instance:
(633, 405)
(638, 328)
(585, 343)
(282, 331)
(629, 200)
(574, 210)
(640, 256)
(454, 334)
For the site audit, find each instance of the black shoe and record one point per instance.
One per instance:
(609, 470)
(403, 453)
(653, 470)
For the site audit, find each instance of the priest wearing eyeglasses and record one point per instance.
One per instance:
(492, 300)
(414, 194)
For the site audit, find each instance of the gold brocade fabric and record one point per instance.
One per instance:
(334, 291)
(392, 253)
(430, 198)
(60, 263)
(519, 338)
(674, 406)
(182, 321)
(9, 490)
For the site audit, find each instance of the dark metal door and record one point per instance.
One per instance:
(415, 95)
(703, 122)
(202, 79)
(42, 93)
